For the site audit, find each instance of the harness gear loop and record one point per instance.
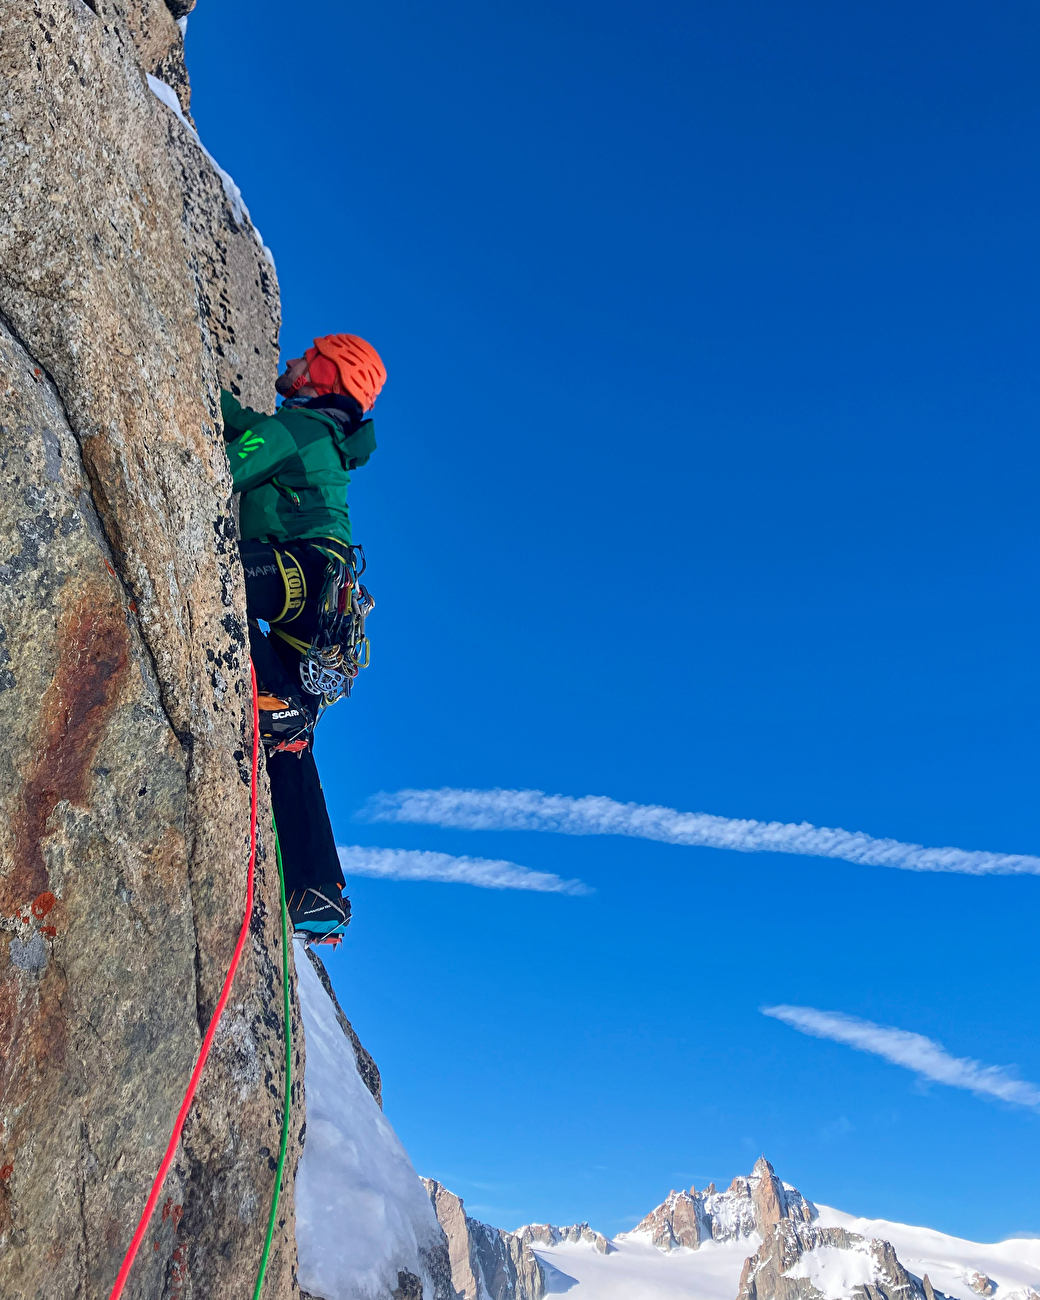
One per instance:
(340, 648)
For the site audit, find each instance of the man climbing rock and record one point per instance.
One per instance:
(301, 572)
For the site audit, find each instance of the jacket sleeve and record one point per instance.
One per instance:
(259, 453)
(237, 418)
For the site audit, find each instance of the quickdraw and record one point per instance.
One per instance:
(340, 648)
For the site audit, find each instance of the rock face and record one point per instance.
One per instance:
(753, 1204)
(546, 1234)
(488, 1263)
(791, 1253)
(796, 1259)
(129, 293)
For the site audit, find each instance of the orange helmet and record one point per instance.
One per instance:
(355, 364)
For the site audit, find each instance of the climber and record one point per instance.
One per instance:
(292, 470)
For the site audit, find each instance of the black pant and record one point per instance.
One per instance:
(309, 856)
(283, 587)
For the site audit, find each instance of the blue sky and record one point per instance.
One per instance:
(707, 478)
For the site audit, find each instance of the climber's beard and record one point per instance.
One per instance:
(294, 370)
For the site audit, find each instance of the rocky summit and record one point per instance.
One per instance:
(790, 1265)
(749, 1205)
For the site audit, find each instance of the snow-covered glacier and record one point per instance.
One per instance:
(369, 1228)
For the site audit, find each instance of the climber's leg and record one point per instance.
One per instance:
(285, 720)
(313, 876)
(277, 587)
(273, 676)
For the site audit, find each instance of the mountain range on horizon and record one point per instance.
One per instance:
(759, 1239)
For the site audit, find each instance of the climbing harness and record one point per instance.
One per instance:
(340, 648)
(207, 1042)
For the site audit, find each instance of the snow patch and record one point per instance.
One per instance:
(361, 1212)
(239, 211)
(834, 1271)
(950, 1261)
(556, 1281)
(637, 1270)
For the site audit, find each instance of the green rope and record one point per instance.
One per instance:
(288, 1072)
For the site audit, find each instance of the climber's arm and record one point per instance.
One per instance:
(237, 418)
(259, 453)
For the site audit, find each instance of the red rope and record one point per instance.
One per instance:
(207, 1042)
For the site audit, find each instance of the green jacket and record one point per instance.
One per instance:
(291, 468)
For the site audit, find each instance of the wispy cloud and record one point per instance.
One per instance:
(924, 1056)
(531, 810)
(414, 864)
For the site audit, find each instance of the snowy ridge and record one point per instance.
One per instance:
(762, 1240)
(239, 211)
(876, 1259)
(547, 1234)
(955, 1266)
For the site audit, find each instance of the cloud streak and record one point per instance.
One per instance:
(415, 864)
(924, 1056)
(531, 810)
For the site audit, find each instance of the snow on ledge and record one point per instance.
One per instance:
(239, 211)
(361, 1212)
(835, 1272)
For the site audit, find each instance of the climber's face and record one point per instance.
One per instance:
(295, 370)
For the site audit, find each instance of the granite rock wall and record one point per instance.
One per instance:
(130, 292)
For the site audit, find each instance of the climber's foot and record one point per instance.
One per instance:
(319, 915)
(285, 726)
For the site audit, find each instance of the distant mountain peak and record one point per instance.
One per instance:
(795, 1262)
(760, 1239)
(751, 1204)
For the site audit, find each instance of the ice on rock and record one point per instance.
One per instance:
(362, 1215)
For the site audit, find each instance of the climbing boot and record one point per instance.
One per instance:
(285, 726)
(319, 915)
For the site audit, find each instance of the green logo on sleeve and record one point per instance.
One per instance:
(252, 441)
